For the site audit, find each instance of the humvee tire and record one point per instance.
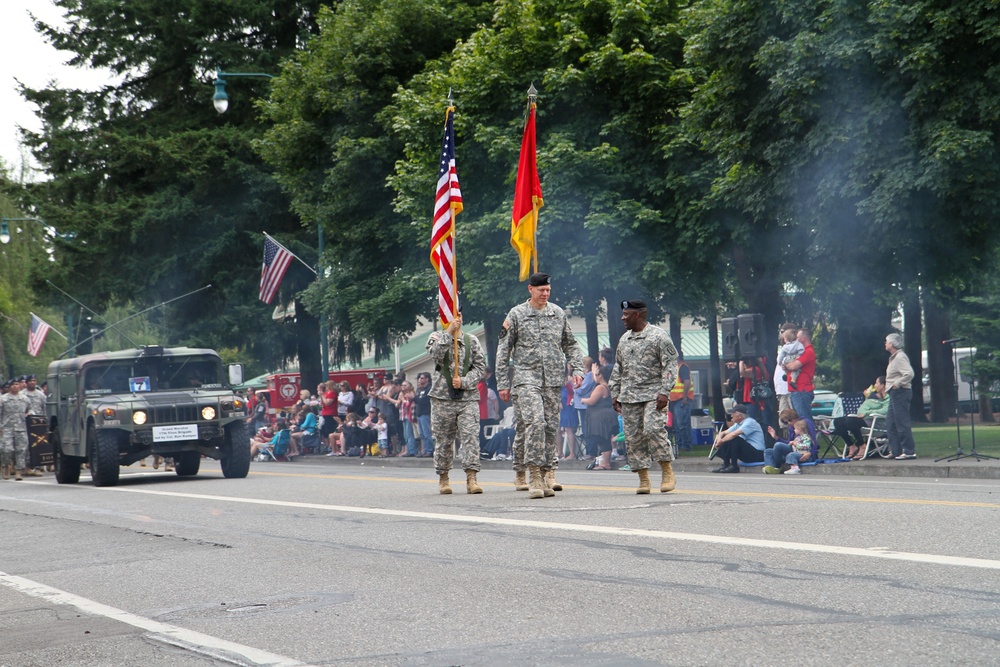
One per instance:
(67, 468)
(235, 457)
(102, 450)
(186, 464)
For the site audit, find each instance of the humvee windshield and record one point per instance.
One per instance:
(152, 374)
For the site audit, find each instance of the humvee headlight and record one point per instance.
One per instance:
(208, 412)
(139, 417)
(109, 413)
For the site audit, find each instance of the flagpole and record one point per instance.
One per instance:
(275, 241)
(532, 98)
(454, 252)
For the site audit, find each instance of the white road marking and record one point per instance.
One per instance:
(197, 642)
(879, 552)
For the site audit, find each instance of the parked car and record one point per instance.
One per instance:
(823, 401)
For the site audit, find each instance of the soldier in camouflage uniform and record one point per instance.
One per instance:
(455, 402)
(537, 340)
(14, 440)
(645, 370)
(36, 402)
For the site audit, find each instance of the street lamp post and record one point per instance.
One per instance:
(221, 103)
(220, 100)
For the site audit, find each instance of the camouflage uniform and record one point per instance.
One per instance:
(645, 366)
(14, 441)
(537, 343)
(36, 399)
(455, 417)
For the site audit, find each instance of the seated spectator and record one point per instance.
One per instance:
(774, 456)
(602, 420)
(281, 440)
(799, 450)
(743, 441)
(849, 427)
(499, 445)
(307, 424)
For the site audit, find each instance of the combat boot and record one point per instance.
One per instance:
(669, 482)
(535, 489)
(471, 485)
(546, 487)
(550, 477)
(443, 487)
(17, 475)
(643, 481)
(6, 471)
(520, 483)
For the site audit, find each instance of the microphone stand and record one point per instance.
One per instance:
(959, 454)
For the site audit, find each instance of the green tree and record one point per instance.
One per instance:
(165, 195)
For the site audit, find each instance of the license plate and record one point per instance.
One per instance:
(177, 432)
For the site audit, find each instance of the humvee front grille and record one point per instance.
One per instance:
(175, 414)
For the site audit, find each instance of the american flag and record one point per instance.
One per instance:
(276, 261)
(36, 336)
(447, 205)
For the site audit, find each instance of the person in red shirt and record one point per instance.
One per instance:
(801, 391)
(328, 430)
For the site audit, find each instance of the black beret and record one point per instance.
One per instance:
(539, 279)
(633, 304)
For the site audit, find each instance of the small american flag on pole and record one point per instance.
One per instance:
(36, 336)
(276, 261)
(447, 205)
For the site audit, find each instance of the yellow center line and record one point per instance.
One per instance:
(679, 492)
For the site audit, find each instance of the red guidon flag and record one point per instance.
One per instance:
(527, 201)
(447, 205)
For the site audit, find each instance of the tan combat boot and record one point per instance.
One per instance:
(550, 477)
(669, 482)
(643, 481)
(546, 487)
(168, 465)
(17, 475)
(443, 487)
(471, 485)
(535, 489)
(6, 471)
(520, 483)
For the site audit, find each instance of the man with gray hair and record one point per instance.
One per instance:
(898, 376)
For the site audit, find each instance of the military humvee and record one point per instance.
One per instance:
(115, 408)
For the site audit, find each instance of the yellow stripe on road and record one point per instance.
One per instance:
(678, 492)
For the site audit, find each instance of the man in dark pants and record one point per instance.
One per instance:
(898, 376)
(743, 441)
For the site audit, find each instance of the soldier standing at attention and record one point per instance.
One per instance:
(537, 339)
(36, 402)
(14, 443)
(455, 402)
(645, 370)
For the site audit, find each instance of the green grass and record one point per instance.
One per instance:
(932, 440)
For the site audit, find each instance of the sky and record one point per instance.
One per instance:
(28, 58)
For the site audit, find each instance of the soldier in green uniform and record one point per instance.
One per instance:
(14, 441)
(537, 341)
(645, 370)
(455, 402)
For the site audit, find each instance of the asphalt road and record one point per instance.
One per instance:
(309, 563)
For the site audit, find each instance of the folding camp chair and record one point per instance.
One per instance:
(851, 402)
(877, 443)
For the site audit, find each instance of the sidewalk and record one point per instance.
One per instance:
(967, 468)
